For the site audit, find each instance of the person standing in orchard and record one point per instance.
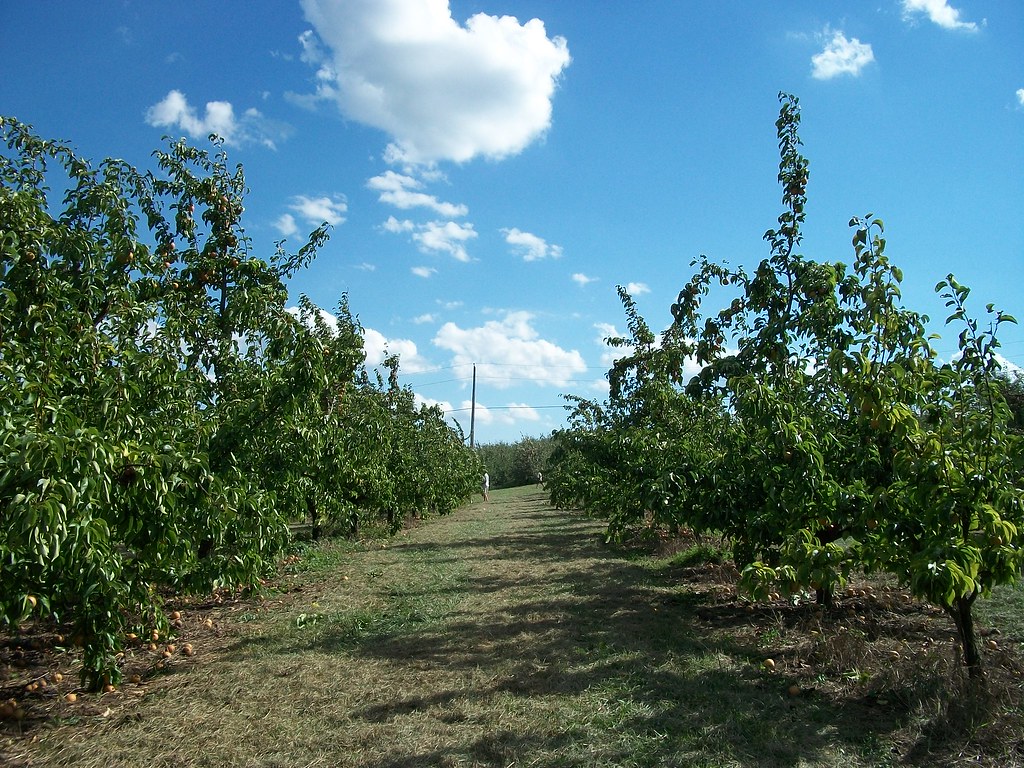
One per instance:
(487, 485)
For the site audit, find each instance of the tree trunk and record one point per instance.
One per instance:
(825, 595)
(964, 620)
(314, 516)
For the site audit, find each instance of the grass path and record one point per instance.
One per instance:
(503, 635)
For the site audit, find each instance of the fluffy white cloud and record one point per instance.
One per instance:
(841, 57)
(582, 279)
(1020, 96)
(637, 289)
(445, 237)
(251, 127)
(316, 210)
(440, 89)
(501, 415)
(435, 236)
(402, 192)
(425, 318)
(329, 319)
(423, 271)
(940, 12)
(510, 350)
(397, 226)
(286, 225)
(529, 246)
(377, 347)
(313, 211)
(609, 354)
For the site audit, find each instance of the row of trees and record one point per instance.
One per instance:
(515, 464)
(165, 413)
(822, 434)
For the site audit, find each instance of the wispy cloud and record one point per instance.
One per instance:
(442, 90)
(530, 246)
(1020, 96)
(219, 117)
(402, 192)
(423, 272)
(841, 56)
(582, 279)
(939, 12)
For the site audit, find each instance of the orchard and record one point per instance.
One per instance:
(822, 436)
(166, 414)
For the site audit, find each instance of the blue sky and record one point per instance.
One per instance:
(494, 169)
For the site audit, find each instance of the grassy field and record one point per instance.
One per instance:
(509, 634)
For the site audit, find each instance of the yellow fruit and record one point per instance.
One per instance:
(57, 677)
(187, 649)
(171, 648)
(31, 600)
(109, 688)
(769, 664)
(175, 615)
(208, 623)
(71, 698)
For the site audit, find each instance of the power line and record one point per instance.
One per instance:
(509, 408)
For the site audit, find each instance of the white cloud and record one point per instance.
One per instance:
(529, 246)
(313, 211)
(435, 236)
(510, 350)
(609, 354)
(329, 319)
(252, 127)
(940, 12)
(426, 318)
(445, 237)
(423, 271)
(1020, 96)
(500, 415)
(377, 347)
(286, 225)
(637, 289)
(1009, 366)
(396, 226)
(841, 57)
(579, 277)
(440, 89)
(400, 191)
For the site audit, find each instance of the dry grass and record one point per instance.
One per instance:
(509, 635)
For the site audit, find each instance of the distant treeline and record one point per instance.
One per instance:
(515, 464)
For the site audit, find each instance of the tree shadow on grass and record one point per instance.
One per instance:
(563, 624)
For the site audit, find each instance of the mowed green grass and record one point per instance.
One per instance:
(509, 634)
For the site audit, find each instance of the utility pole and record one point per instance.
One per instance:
(472, 410)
